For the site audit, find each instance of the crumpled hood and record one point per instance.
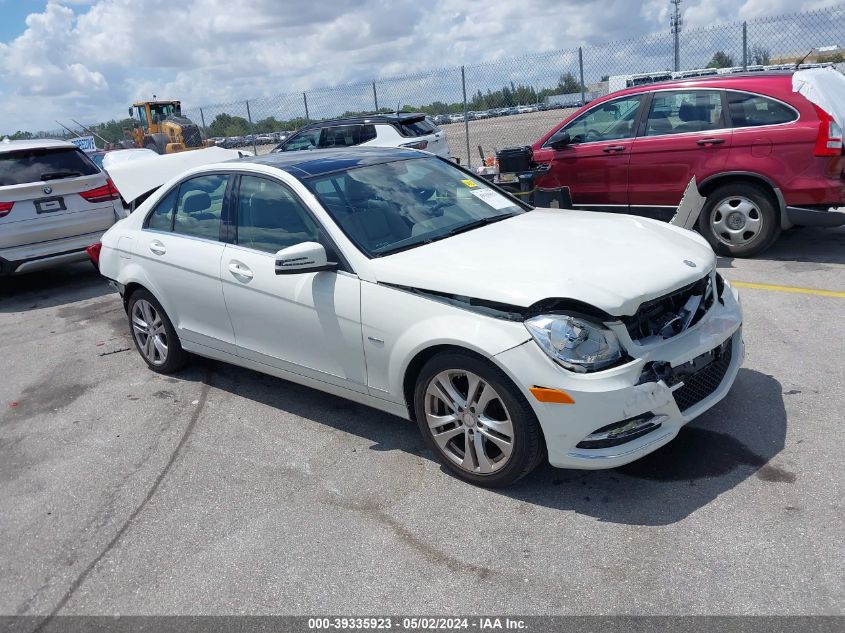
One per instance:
(610, 261)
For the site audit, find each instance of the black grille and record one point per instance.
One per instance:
(706, 380)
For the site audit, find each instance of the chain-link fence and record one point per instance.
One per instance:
(514, 101)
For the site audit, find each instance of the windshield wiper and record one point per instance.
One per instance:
(55, 175)
(463, 228)
(458, 229)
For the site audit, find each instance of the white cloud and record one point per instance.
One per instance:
(90, 60)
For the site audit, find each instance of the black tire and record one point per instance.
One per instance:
(528, 448)
(738, 195)
(176, 357)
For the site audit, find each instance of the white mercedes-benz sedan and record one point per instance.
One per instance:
(397, 279)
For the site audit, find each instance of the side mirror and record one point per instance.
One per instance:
(130, 112)
(561, 141)
(306, 257)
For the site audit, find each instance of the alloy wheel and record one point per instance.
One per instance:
(149, 331)
(469, 421)
(736, 220)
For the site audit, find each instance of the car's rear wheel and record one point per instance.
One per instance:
(154, 335)
(739, 220)
(476, 421)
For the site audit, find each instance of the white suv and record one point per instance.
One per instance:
(411, 130)
(54, 203)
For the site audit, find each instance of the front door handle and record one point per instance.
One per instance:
(614, 148)
(157, 247)
(240, 270)
(711, 141)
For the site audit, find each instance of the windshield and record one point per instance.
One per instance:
(391, 207)
(163, 110)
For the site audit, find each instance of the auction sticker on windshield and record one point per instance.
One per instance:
(469, 183)
(493, 198)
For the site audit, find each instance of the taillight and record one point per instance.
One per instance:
(5, 208)
(94, 253)
(101, 194)
(829, 139)
(416, 145)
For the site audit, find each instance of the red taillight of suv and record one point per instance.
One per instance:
(101, 194)
(829, 140)
(94, 253)
(5, 208)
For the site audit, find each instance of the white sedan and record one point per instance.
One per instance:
(399, 280)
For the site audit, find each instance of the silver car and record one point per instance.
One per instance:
(54, 203)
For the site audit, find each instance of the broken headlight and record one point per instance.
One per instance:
(574, 342)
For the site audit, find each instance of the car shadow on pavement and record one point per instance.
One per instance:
(804, 246)
(51, 288)
(728, 444)
(733, 441)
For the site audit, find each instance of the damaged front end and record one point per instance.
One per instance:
(671, 314)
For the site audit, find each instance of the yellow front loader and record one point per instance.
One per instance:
(161, 127)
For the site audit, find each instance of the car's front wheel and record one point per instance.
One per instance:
(739, 220)
(154, 335)
(476, 421)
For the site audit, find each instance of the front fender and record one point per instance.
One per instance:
(398, 325)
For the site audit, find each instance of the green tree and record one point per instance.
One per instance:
(567, 84)
(227, 125)
(721, 59)
(760, 55)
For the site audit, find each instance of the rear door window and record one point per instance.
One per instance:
(199, 206)
(161, 219)
(679, 112)
(309, 139)
(368, 133)
(341, 136)
(749, 110)
(36, 165)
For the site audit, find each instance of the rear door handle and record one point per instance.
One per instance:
(240, 270)
(711, 141)
(614, 148)
(157, 247)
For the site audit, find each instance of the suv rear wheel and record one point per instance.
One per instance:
(739, 219)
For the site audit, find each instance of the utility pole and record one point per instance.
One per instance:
(676, 21)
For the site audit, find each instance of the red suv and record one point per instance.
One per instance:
(765, 157)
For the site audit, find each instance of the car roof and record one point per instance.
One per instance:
(32, 143)
(315, 162)
(379, 117)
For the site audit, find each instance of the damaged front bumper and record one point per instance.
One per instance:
(623, 413)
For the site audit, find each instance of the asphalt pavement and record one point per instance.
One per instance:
(219, 490)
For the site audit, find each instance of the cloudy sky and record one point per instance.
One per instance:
(88, 59)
